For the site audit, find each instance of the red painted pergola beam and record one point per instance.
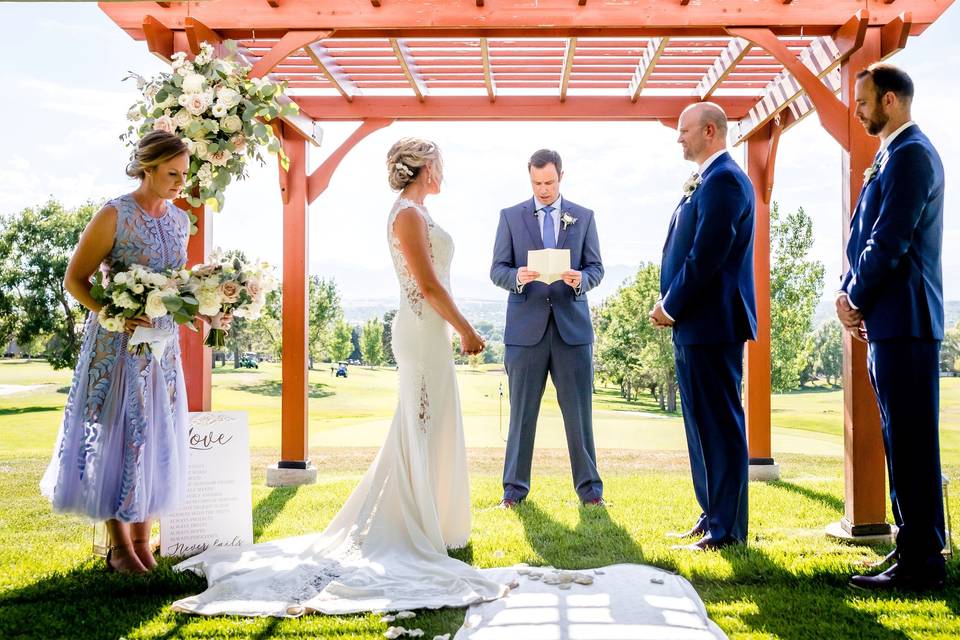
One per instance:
(509, 107)
(410, 18)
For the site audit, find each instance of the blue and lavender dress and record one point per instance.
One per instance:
(122, 448)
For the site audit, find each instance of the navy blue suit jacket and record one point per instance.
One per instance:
(896, 237)
(706, 276)
(529, 310)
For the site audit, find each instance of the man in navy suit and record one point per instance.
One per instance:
(892, 297)
(548, 327)
(707, 296)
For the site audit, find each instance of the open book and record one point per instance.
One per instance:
(549, 263)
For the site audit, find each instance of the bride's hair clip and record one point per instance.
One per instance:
(402, 168)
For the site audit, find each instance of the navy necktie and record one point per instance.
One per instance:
(549, 240)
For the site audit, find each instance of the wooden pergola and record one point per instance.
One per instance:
(768, 63)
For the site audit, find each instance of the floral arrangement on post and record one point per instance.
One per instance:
(218, 111)
(139, 291)
(229, 286)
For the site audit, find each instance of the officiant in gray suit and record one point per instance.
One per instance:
(548, 327)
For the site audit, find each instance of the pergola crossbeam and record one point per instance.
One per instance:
(728, 59)
(645, 66)
(488, 78)
(568, 53)
(409, 66)
(331, 70)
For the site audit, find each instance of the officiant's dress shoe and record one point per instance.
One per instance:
(894, 578)
(698, 531)
(706, 544)
(596, 502)
(507, 503)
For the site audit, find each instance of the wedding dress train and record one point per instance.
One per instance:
(386, 549)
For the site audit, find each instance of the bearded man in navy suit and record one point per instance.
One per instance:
(892, 297)
(707, 296)
(548, 327)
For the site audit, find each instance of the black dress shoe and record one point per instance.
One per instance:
(706, 544)
(895, 578)
(698, 531)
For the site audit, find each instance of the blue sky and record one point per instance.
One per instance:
(66, 106)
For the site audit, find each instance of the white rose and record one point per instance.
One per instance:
(189, 144)
(155, 307)
(193, 83)
(120, 278)
(155, 279)
(231, 124)
(219, 110)
(200, 149)
(209, 300)
(220, 158)
(164, 123)
(229, 97)
(182, 118)
(253, 287)
(196, 103)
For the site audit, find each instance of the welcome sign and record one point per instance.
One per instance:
(217, 511)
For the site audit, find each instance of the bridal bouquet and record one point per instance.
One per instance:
(218, 111)
(229, 286)
(139, 291)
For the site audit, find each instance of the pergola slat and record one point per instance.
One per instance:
(567, 67)
(409, 68)
(331, 70)
(645, 66)
(488, 78)
(726, 62)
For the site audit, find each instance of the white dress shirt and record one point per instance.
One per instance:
(555, 214)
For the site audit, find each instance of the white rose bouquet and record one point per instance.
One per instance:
(218, 111)
(137, 292)
(229, 286)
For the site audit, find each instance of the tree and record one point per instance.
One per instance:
(795, 286)
(630, 352)
(341, 344)
(35, 308)
(324, 311)
(388, 336)
(371, 342)
(950, 350)
(827, 357)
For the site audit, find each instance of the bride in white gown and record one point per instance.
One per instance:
(386, 549)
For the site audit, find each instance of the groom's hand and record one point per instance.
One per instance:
(525, 275)
(572, 277)
(658, 318)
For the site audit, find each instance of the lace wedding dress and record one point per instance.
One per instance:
(386, 549)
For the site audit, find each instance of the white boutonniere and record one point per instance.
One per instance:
(691, 184)
(871, 171)
(567, 220)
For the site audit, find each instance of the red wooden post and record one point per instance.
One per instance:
(196, 358)
(761, 155)
(864, 468)
(295, 411)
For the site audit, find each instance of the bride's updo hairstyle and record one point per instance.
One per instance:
(154, 149)
(407, 157)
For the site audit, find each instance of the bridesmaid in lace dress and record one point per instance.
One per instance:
(121, 452)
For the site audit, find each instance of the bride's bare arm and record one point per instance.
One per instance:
(411, 231)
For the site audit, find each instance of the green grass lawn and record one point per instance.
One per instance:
(789, 582)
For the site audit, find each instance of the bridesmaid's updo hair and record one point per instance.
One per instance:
(407, 157)
(154, 149)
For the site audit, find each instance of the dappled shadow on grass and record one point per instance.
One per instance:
(15, 411)
(826, 499)
(270, 507)
(611, 400)
(274, 388)
(89, 602)
(595, 541)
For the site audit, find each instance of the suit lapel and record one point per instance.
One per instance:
(673, 223)
(529, 215)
